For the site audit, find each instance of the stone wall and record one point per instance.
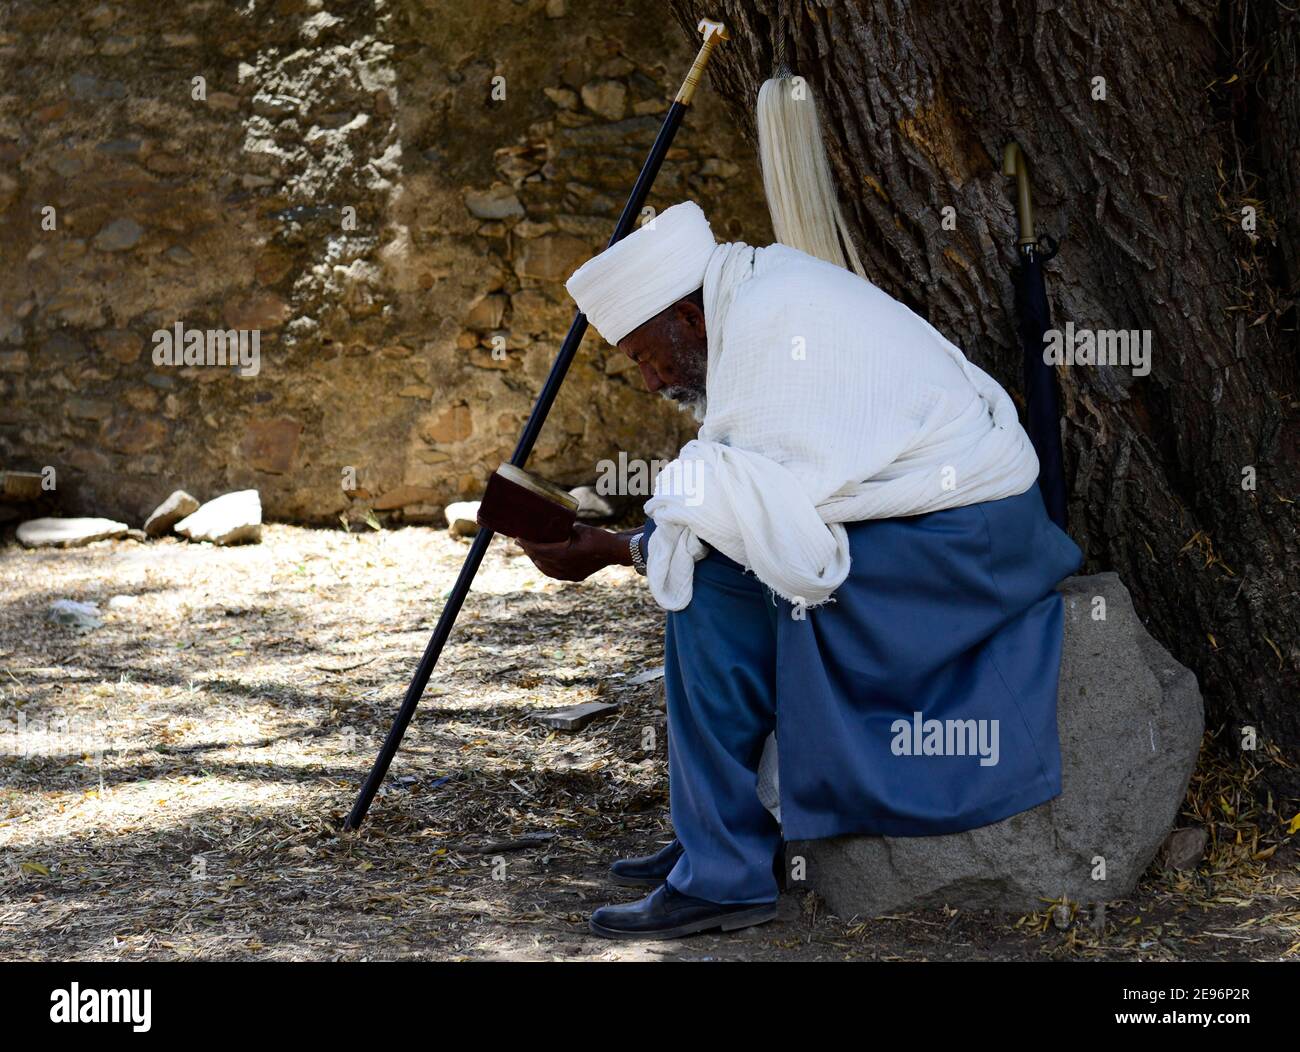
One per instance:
(354, 181)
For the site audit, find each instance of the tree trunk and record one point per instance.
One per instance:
(1145, 190)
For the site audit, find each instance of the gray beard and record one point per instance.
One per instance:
(694, 363)
(688, 399)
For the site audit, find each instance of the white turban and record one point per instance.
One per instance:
(650, 269)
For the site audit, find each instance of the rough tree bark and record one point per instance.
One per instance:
(1145, 189)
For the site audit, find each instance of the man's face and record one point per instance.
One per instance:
(671, 350)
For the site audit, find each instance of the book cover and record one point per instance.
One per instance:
(519, 504)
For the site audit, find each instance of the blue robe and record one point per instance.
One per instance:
(921, 701)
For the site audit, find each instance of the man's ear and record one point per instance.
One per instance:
(692, 316)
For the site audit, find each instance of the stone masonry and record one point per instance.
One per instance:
(390, 193)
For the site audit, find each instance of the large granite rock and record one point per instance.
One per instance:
(1130, 720)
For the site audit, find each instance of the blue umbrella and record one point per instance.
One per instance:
(1034, 318)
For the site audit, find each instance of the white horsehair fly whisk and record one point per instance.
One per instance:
(797, 176)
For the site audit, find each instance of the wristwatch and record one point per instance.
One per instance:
(634, 548)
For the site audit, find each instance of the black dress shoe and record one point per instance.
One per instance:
(649, 871)
(668, 914)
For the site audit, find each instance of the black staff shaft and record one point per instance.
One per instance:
(533, 428)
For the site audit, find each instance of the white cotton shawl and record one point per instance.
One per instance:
(829, 402)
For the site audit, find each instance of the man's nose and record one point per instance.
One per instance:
(651, 378)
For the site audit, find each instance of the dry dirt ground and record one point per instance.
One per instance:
(172, 783)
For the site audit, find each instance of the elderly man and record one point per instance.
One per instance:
(853, 553)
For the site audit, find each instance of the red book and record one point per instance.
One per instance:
(520, 504)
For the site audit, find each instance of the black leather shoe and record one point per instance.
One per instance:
(668, 914)
(649, 871)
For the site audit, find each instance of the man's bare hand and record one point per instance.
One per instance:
(587, 550)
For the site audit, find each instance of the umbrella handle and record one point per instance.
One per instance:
(1014, 164)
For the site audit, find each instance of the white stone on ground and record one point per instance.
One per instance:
(169, 513)
(232, 518)
(592, 505)
(75, 614)
(462, 518)
(68, 533)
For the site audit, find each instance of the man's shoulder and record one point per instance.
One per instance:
(793, 293)
(778, 267)
(774, 257)
(787, 282)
